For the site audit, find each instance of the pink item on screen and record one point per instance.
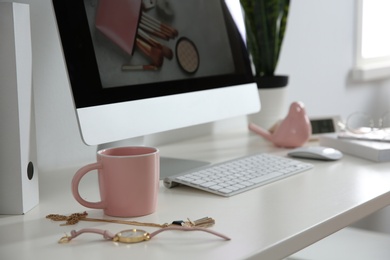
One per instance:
(118, 20)
(128, 181)
(293, 131)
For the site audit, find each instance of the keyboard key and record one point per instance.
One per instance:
(198, 181)
(216, 187)
(226, 190)
(208, 184)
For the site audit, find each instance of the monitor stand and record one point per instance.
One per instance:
(173, 166)
(168, 166)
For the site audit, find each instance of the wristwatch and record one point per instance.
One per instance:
(131, 236)
(135, 235)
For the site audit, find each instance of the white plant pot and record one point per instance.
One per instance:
(273, 107)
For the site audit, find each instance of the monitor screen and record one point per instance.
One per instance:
(126, 53)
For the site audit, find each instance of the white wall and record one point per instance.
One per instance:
(318, 54)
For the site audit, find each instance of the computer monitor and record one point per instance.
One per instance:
(141, 67)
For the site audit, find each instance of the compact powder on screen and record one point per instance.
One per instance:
(187, 55)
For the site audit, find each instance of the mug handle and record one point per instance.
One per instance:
(75, 186)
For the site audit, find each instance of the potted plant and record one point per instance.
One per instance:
(265, 23)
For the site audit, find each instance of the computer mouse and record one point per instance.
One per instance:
(316, 152)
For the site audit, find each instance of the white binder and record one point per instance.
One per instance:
(19, 191)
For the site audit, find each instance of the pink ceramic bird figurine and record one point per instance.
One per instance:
(292, 132)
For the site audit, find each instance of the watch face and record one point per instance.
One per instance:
(132, 236)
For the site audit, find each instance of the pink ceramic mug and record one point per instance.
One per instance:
(128, 181)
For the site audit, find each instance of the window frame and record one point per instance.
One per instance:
(367, 69)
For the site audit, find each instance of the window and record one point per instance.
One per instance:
(373, 40)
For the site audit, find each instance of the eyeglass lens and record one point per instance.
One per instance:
(385, 122)
(361, 123)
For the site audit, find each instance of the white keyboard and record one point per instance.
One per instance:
(239, 175)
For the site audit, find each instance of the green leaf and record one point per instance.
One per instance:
(265, 23)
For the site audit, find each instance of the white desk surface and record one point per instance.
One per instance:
(270, 222)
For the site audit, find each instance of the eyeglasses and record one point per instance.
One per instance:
(363, 123)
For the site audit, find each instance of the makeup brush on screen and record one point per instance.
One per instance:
(153, 53)
(160, 24)
(129, 67)
(167, 52)
(157, 28)
(153, 31)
